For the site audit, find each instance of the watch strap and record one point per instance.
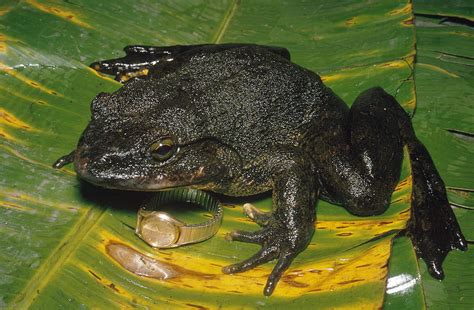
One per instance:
(191, 233)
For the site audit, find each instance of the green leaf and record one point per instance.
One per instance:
(458, 9)
(58, 233)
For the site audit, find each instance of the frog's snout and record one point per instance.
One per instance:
(88, 166)
(107, 169)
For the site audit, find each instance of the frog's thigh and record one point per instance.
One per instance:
(369, 167)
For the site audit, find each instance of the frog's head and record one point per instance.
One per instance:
(137, 140)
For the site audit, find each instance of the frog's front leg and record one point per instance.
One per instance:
(290, 228)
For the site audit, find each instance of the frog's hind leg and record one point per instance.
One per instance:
(378, 129)
(140, 59)
(359, 165)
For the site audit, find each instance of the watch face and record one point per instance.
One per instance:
(158, 232)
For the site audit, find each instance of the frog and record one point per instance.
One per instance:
(243, 119)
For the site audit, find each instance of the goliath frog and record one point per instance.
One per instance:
(242, 119)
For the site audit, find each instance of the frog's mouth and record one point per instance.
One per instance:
(133, 178)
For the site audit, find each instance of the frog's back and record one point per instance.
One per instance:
(250, 97)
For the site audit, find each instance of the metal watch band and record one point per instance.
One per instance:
(190, 233)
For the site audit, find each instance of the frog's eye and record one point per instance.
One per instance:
(163, 149)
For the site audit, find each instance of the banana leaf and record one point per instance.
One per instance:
(60, 237)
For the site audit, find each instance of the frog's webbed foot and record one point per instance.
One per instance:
(64, 160)
(433, 227)
(278, 242)
(434, 231)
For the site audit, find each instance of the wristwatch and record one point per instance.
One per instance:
(161, 230)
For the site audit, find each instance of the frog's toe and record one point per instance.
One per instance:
(259, 217)
(434, 235)
(433, 252)
(282, 265)
(261, 257)
(277, 243)
(266, 254)
(435, 269)
(105, 66)
(246, 236)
